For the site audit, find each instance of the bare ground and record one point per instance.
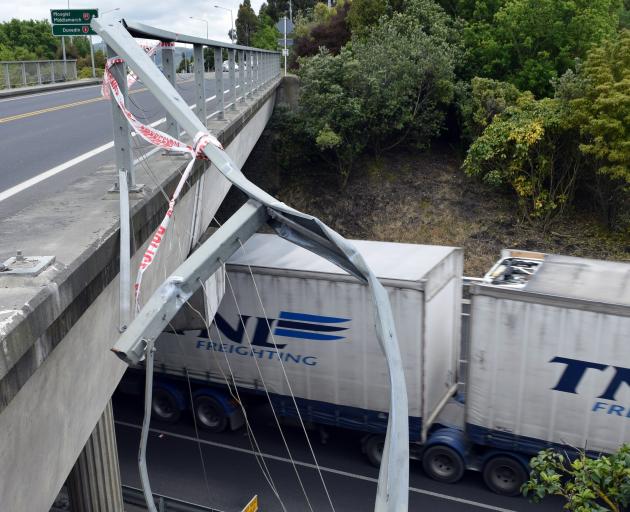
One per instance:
(424, 197)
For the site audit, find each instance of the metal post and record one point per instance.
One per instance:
(7, 76)
(284, 51)
(63, 51)
(257, 54)
(39, 73)
(231, 59)
(24, 74)
(218, 77)
(122, 131)
(250, 74)
(124, 276)
(92, 56)
(168, 61)
(241, 73)
(200, 83)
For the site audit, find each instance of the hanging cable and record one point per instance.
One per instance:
(262, 379)
(286, 378)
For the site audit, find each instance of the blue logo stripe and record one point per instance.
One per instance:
(306, 335)
(288, 315)
(303, 326)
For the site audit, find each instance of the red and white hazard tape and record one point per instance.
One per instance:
(165, 141)
(132, 78)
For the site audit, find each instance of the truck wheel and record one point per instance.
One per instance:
(210, 414)
(443, 464)
(504, 475)
(164, 406)
(374, 449)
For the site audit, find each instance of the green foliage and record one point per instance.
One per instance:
(531, 42)
(27, 40)
(330, 108)
(388, 86)
(267, 34)
(604, 111)
(86, 72)
(586, 484)
(488, 98)
(246, 23)
(364, 14)
(531, 147)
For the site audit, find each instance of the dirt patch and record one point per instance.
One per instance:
(425, 198)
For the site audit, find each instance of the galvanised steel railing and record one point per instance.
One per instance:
(23, 73)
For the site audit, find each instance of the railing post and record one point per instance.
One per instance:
(24, 74)
(39, 74)
(7, 76)
(218, 76)
(200, 83)
(250, 73)
(52, 72)
(168, 62)
(122, 131)
(257, 71)
(232, 75)
(241, 73)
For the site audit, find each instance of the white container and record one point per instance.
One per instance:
(550, 362)
(323, 325)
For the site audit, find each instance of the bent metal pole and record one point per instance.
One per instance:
(301, 229)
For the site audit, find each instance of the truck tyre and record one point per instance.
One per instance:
(442, 463)
(504, 475)
(374, 449)
(210, 414)
(164, 406)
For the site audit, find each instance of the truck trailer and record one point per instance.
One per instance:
(547, 361)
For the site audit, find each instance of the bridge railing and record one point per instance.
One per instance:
(22, 73)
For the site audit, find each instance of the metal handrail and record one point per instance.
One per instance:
(35, 61)
(141, 30)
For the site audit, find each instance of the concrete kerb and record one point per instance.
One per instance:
(35, 89)
(48, 306)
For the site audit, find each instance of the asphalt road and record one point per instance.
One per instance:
(40, 132)
(234, 476)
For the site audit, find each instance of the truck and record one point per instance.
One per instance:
(544, 354)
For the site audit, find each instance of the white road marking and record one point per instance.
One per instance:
(322, 468)
(20, 187)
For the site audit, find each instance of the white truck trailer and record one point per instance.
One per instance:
(292, 309)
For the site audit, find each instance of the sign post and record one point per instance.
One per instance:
(73, 22)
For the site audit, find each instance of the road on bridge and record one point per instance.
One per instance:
(234, 475)
(51, 139)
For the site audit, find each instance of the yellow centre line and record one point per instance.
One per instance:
(68, 105)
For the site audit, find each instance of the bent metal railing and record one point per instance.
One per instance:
(137, 340)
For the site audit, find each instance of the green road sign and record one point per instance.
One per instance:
(72, 30)
(72, 16)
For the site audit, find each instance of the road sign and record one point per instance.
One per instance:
(72, 30)
(281, 42)
(280, 26)
(285, 52)
(252, 506)
(72, 22)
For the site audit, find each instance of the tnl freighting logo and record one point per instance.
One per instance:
(576, 369)
(257, 331)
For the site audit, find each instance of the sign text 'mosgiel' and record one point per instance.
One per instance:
(72, 16)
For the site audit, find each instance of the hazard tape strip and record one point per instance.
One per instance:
(166, 142)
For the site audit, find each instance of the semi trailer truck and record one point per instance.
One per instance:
(547, 361)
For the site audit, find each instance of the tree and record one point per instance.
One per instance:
(365, 13)
(28, 40)
(603, 113)
(586, 484)
(531, 42)
(328, 29)
(246, 23)
(531, 147)
(267, 34)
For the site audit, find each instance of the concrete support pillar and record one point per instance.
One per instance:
(94, 482)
